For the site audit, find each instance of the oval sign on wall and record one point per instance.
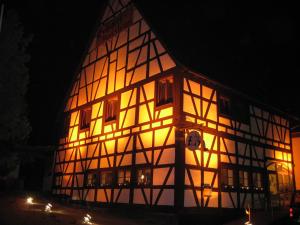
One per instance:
(193, 140)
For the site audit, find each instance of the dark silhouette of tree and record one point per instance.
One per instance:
(14, 78)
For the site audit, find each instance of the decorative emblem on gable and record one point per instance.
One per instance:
(193, 140)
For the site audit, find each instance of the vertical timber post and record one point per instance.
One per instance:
(179, 143)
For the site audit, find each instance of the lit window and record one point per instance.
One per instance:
(144, 177)
(91, 179)
(85, 118)
(230, 177)
(224, 105)
(164, 91)
(106, 178)
(111, 109)
(124, 177)
(227, 179)
(244, 178)
(285, 181)
(273, 184)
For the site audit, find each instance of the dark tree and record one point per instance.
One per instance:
(14, 77)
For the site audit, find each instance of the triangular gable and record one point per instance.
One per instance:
(124, 51)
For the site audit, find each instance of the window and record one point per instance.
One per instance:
(257, 180)
(273, 184)
(85, 118)
(111, 109)
(164, 91)
(244, 179)
(285, 181)
(224, 105)
(106, 178)
(66, 125)
(227, 179)
(91, 179)
(124, 177)
(240, 109)
(144, 177)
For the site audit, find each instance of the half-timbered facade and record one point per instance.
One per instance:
(142, 129)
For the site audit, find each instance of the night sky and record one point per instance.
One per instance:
(253, 48)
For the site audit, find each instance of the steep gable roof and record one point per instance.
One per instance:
(214, 49)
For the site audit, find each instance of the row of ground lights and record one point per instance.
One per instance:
(48, 209)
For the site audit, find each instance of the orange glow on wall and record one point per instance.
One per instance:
(150, 122)
(296, 152)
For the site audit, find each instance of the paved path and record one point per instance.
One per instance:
(15, 211)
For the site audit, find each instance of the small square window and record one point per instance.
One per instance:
(244, 178)
(106, 178)
(111, 108)
(144, 177)
(164, 91)
(85, 118)
(227, 179)
(224, 105)
(124, 177)
(256, 180)
(91, 179)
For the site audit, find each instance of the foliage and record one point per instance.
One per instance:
(14, 78)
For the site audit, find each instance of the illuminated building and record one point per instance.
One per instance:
(129, 117)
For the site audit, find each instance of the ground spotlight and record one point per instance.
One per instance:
(48, 208)
(29, 200)
(87, 219)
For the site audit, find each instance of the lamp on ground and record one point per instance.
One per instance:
(29, 200)
(248, 213)
(87, 219)
(48, 208)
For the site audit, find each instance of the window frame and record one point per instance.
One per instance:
(66, 125)
(222, 98)
(100, 174)
(243, 178)
(225, 185)
(149, 179)
(164, 103)
(126, 181)
(94, 179)
(114, 119)
(255, 179)
(82, 111)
